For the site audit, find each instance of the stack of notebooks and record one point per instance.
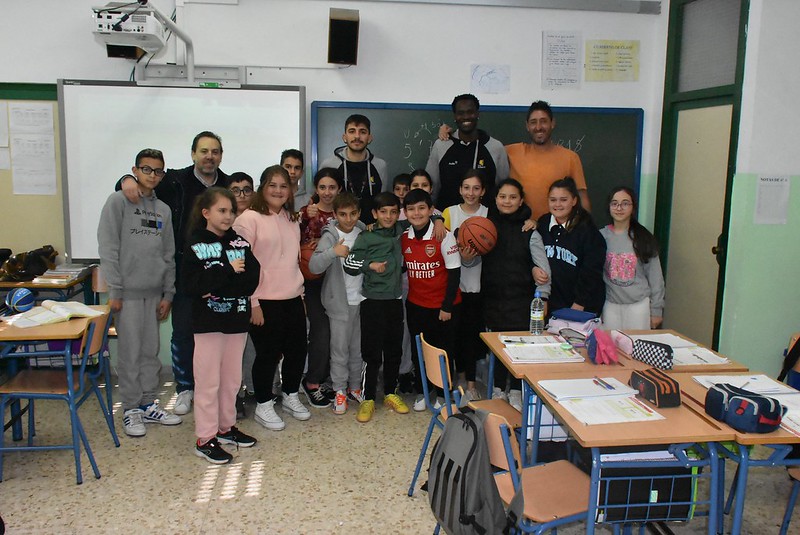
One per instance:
(599, 400)
(64, 274)
(538, 349)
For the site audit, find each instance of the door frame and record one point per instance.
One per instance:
(675, 101)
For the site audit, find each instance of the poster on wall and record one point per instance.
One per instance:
(561, 60)
(772, 200)
(612, 61)
(33, 151)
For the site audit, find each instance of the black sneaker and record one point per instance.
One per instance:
(212, 452)
(405, 383)
(236, 437)
(315, 396)
(241, 414)
(327, 391)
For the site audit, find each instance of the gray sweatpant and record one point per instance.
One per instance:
(346, 363)
(138, 364)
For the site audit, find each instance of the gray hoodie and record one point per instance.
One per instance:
(324, 260)
(137, 248)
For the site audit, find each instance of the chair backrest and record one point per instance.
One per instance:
(431, 356)
(99, 284)
(498, 432)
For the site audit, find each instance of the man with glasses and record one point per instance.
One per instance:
(541, 162)
(179, 189)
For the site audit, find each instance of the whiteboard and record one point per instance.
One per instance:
(105, 124)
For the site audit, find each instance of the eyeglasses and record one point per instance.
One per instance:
(624, 204)
(146, 169)
(242, 192)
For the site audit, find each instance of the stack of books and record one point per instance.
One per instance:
(64, 274)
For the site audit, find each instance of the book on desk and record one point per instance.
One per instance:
(51, 312)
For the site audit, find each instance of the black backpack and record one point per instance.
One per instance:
(461, 488)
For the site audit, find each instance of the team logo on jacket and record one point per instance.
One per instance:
(430, 250)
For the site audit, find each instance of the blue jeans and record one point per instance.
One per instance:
(182, 343)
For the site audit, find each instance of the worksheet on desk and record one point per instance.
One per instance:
(665, 338)
(758, 383)
(610, 410)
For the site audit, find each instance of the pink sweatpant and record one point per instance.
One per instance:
(217, 379)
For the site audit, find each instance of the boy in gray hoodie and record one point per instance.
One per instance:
(341, 297)
(137, 258)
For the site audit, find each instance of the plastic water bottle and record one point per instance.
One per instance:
(537, 314)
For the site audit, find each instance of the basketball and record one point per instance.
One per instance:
(20, 300)
(306, 250)
(478, 232)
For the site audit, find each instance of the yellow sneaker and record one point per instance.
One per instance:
(395, 403)
(365, 411)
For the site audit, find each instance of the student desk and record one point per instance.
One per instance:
(521, 371)
(682, 428)
(59, 292)
(20, 343)
(708, 369)
(779, 441)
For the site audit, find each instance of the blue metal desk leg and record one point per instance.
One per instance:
(716, 485)
(741, 488)
(490, 375)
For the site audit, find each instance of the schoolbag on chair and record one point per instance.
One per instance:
(461, 488)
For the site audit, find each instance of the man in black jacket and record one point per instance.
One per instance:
(179, 189)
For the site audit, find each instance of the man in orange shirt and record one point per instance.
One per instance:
(541, 162)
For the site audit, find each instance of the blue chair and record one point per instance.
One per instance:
(794, 473)
(434, 366)
(553, 494)
(74, 389)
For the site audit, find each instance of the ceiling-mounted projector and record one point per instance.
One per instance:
(126, 24)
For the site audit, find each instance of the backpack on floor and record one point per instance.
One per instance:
(461, 488)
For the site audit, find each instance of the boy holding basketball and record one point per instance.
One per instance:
(434, 273)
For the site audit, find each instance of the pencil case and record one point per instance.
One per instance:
(656, 387)
(743, 410)
(653, 353)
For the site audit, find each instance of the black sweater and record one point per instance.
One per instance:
(576, 262)
(207, 270)
(506, 278)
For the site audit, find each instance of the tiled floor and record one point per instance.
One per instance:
(327, 475)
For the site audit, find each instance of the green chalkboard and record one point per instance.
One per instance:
(608, 140)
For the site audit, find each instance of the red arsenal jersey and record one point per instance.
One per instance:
(427, 262)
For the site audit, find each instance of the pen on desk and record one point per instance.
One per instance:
(745, 383)
(600, 382)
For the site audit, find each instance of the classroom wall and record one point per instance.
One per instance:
(418, 53)
(760, 306)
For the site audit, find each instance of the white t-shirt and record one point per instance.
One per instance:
(352, 284)
(471, 273)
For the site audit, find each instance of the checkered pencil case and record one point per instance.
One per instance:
(653, 353)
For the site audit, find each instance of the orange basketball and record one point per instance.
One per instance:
(478, 232)
(306, 250)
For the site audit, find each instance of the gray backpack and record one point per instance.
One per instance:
(461, 488)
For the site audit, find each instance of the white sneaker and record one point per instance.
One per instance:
(184, 402)
(419, 404)
(438, 404)
(133, 424)
(499, 394)
(291, 403)
(515, 399)
(153, 414)
(265, 415)
(472, 394)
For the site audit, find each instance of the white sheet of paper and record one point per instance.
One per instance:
(772, 200)
(665, 338)
(610, 410)
(561, 60)
(4, 125)
(758, 383)
(30, 117)
(33, 159)
(689, 356)
(5, 158)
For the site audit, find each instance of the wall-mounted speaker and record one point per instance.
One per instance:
(343, 36)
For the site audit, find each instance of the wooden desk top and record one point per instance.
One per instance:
(65, 330)
(694, 395)
(492, 340)
(681, 424)
(44, 286)
(730, 366)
